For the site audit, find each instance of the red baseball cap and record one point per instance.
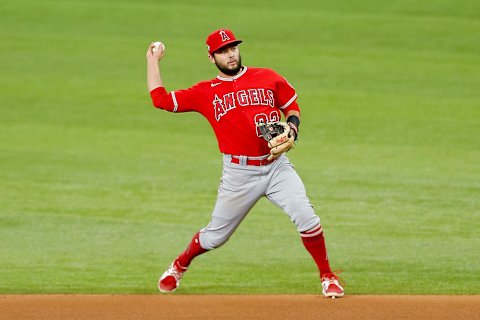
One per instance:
(219, 39)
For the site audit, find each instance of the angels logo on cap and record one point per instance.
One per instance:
(219, 39)
(224, 35)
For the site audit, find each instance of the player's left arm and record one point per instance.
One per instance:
(284, 141)
(293, 120)
(286, 101)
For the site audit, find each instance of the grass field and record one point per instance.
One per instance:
(99, 191)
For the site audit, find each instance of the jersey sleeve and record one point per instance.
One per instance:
(285, 95)
(176, 101)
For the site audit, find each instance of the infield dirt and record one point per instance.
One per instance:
(232, 307)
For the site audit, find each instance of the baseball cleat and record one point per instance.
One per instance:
(331, 287)
(170, 280)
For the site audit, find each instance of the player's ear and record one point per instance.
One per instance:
(211, 58)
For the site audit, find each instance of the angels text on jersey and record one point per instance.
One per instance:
(250, 97)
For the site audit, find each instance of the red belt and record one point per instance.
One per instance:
(252, 162)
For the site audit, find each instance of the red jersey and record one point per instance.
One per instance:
(234, 107)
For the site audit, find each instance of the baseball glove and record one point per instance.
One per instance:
(280, 138)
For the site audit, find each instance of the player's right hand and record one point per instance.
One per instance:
(151, 55)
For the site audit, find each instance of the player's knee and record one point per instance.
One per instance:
(307, 223)
(298, 203)
(211, 241)
(304, 217)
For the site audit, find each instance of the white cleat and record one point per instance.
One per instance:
(331, 287)
(170, 280)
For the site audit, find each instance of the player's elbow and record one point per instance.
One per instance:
(159, 98)
(157, 104)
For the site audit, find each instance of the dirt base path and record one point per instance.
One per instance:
(232, 307)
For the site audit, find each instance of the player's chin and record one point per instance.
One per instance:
(230, 68)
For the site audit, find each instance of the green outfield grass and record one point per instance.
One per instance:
(99, 191)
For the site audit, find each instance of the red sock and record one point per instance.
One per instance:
(314, 242)
(194, 249)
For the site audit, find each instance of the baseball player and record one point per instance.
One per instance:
(244, 106)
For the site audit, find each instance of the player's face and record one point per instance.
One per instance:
(228, 60)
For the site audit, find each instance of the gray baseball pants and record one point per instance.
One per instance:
(242, 186)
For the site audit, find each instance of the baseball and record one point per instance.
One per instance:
(157, 46)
